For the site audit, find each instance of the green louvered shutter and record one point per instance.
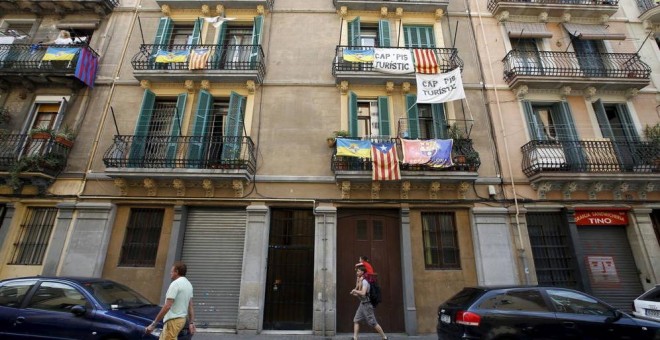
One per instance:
(413, 116)
(257, 29)
(352, 114)
(354, 32)
(175, 130)
(384, 39)
(439, 121)
(136, 156)
(601, 116)
(163, 35)
(532, 123)
(567, 134)
(199, 140)
(219, 48)
(197, 32)
(234, 128)
(627, 122)
(419, 36)
(384, 116)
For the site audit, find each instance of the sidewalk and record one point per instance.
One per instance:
(201, 335)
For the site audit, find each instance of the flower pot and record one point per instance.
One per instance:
(64, 142)
(41, 135)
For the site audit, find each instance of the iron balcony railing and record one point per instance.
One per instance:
(219, 57)
(645, 5)
(447, 59)
(59, 6)
(21, 153)
(186, 152)
(26, 58)
(493, 3)
(590, 156)
(569, 64)
(464, 157)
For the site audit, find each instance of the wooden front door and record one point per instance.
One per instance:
(375, 234)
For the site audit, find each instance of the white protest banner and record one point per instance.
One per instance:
(440, 88)
(393, 61)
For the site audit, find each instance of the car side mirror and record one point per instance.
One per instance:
(78, 310)
(614, 318)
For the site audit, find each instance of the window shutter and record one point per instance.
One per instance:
(142, 129)
(384, 116)
(256, 39)
(220, 42)
(419, 36)
(197, 32)
(199, 139)
(413, 116)
(164, 31)
(532, 123)
(354, 32)
(384, 39)
(628, 125)
(566, 126)
(234, 127)
(64, 104)
(439, 121)
(352, 114)
(604, 123)
(175, 132)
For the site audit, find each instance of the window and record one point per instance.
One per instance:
(589, 56)
(34, 235)
(553, 259)
(424, 121)
(441, 249)
(142, 236)
(419, 36)
(182, 34)
(57, 297)
(368, 35)
(12, 293)
(517, 300)
(576, 303)
(239, 44)
(369, 117)
(15, 32)
(652, 295)
(550, 121)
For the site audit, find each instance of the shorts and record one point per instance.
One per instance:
(172, 328)
(365, 312)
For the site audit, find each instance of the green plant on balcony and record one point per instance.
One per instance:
(652, 134)
(41, 133)
(65, 136)
(50, 162)
(332, 141)
(472, 159)
(455, 132)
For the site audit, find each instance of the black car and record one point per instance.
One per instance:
(518, 313)
(75, 308)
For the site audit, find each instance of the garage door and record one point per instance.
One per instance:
(610, 265)
(213, 251)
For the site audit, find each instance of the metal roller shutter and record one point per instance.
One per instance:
(619, 285)
(213, 251)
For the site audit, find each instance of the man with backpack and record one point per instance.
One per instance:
(365, 310)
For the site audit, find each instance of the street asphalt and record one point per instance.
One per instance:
(206, 335)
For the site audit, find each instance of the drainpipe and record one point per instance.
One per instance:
(521, 245)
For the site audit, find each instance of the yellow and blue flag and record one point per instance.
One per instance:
(164, 56)
(353, 148)
(359, 56)
(60, 53)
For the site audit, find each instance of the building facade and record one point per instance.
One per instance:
(207, 134)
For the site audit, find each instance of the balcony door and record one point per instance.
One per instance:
(425, 121)
(617, 126)
(239, 44)
(589, 57)
(528, 61)
(369, 117)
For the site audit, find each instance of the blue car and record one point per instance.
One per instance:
(75, 308)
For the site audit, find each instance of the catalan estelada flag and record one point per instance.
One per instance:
(353, 148)
(385, 162)
(359, 55)
(164, 56)
(60, 53)
(86, 67)
(198, 58)
(425, 61)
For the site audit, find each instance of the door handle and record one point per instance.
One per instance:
(568, 324)
(20, 319)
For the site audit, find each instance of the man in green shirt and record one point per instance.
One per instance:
(178, 305)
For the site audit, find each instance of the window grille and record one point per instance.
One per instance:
(553, 259)
(142, 236)
(34, 235)
(441, 250)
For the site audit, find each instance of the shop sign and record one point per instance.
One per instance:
(601, 217)
(602, 269)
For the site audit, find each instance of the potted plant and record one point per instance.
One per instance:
(652, 134)
(472, 159)
(455, 132)
(65, 136)
(50, 162)
(41, 133)
(332, 141)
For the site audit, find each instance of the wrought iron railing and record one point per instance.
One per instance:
(493, 3)
(591, 156)
(464, 157)
(645, 5)
(58, 6)
(22, 58)
(447, 59)
(22, 153)
(569, 64)
(219, 57)
(186, 152)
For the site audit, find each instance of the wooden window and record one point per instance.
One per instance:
(441, 249)
(142, 236)
(34, 235)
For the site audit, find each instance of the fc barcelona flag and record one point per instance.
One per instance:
(385, 162)
(86, 68)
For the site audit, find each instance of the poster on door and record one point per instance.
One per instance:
(602, 269)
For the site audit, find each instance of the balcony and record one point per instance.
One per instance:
(60, 7)
(553, 70)
(592, 165)
(650, 10)
(364, 73)
(554, 8)
(28, 160)
(229, 4)
(223, 64)
(24, 64)
(392, 5)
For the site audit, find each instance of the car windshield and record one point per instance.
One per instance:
(113, 295)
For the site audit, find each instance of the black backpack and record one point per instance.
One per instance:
(374, 294)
